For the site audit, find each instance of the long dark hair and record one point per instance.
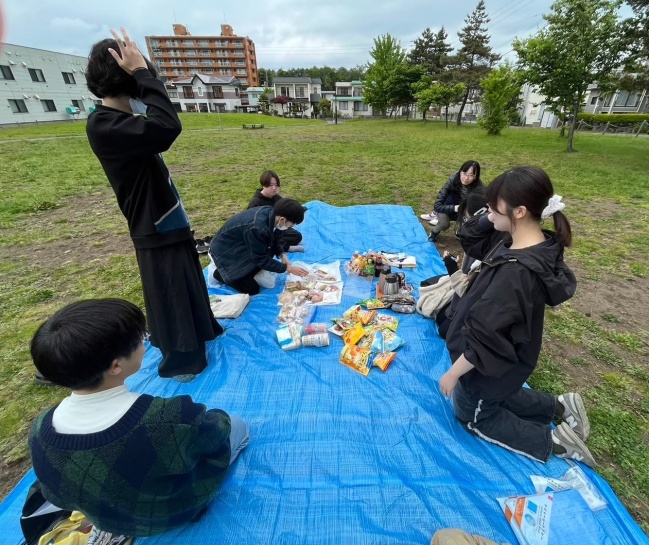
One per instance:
(529, 187)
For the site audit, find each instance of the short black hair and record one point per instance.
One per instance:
(76, 346)
(105, 78)
(292, 210)
(267, 177)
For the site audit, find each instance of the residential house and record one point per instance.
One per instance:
(40, 86)
(253, 94)
(303, 91)
(203, 93)
(348, 100)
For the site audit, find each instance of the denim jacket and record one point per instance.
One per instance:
(247, 243)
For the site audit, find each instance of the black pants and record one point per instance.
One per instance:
(520, 423)
(246, 284)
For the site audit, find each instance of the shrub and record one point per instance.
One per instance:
(616, 119)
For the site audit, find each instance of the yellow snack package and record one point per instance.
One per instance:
(351, 336)
(356, 358)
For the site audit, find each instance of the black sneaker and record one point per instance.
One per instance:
(40, 380)
(433, 236)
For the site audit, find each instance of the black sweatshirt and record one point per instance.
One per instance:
(128, 147)
(260, 200)
(498, 323)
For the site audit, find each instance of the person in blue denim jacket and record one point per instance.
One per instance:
(248, 242)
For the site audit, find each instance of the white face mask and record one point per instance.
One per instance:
(282, 227)
(137, 106)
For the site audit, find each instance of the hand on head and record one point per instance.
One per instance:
(130, 58)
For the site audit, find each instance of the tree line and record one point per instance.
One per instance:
(582, 42)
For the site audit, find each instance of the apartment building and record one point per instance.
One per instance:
(224, 56)
(39, 86)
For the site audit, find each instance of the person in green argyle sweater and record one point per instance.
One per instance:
(134, 464)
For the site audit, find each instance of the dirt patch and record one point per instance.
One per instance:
(11, 475)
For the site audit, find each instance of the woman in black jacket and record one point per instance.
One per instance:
(452, 194)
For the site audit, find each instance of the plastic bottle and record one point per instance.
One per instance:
(369, 265)
(362, 264)
(378, 265)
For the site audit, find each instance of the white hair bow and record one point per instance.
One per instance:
(554, 205)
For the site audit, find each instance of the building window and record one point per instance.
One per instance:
(17, 106)
(79, 104)
(192, 63)
(36, 74)
(224, 72)
(172, 43)
(203, 43)
(285, 91)
(343, 105)
(241, 71)
(593, 100)
(360, 107)
(155, 43)
(188, 43)
(218, 91)
(97, 102)
(190, 53)
(236, 91)
(300, 92)
(343, 92)
(199, 91)
(48, 105)
(6, 72)
(188, 92)
(68, 77)
(627, 99)
(172, 94)
(205, 52)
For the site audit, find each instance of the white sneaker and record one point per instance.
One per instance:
(427, 217)
(434, 221)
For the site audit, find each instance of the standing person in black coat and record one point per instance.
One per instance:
(268, 195)
(128, 147)
(452, 194)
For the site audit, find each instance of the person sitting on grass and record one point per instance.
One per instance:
(495, 337)
(449, 198)
(134, 464)
(247, 242)
(268, 195)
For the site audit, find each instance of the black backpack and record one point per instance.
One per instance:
(39, 516)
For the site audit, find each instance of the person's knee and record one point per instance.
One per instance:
(452, 537)
(443, 222)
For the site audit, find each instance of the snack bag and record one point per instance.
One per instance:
(383, 360)
(385, 320)
(371, 304)
(353, 335)
(356, 358)
(357, 314)
(391, 341)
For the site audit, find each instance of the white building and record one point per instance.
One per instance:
(348, 100)
(203, 93)
(39, 86)
(620, 102)
(253, 97)
(533, 110)
(301, 91)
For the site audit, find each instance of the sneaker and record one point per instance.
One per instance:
(298, 248)
(575, 448)
(183, 379)
(40, 380)
(202, 248)
(427, 217)
(574, 414)
(434, 221)
(432, 237)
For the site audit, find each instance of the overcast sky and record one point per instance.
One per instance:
(287, 33)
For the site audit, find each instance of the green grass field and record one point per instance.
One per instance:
(63, 238)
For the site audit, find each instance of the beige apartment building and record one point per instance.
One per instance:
(183, 55)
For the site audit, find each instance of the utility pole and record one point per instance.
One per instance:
(336, 108)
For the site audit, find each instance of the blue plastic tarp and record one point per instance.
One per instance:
(336, 457)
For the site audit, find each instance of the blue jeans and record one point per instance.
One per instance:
(239, 437)
(520, 423)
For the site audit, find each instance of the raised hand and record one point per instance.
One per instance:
(130, 59)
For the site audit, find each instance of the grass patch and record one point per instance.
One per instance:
(56, 198)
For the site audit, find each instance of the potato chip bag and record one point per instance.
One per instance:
(352, 336)
(356, 358)
(383, 360)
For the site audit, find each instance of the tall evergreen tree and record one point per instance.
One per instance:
(421, 53)
(475, 58)
(431, 52)
(440, 50)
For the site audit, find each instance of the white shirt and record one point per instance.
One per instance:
(92, 413)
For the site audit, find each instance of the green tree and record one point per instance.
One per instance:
(636, 70)
(445, 94)
(500, 92)
(325, 107)
(399, 86)
(583, 42)
(388, 56)
(430, 52)
(264, 99)
(475, 58)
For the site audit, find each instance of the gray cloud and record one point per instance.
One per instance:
(287, 33)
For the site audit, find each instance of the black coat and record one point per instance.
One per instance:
(452, 193)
